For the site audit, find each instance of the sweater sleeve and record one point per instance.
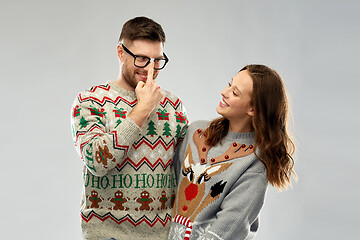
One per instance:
(179, 149)
(100, 149)
(238, 217)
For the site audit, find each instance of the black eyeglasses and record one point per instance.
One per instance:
(143, 61)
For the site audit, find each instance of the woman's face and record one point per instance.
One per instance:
(236, 98)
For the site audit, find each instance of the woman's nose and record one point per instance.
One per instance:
(224, 93)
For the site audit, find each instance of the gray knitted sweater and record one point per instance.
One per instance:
(220, 189)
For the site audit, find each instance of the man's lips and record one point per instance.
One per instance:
(143, 76)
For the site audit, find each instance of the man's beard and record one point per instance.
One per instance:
(129, 77)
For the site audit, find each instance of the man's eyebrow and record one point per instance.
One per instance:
(161, 56)
(142, 55)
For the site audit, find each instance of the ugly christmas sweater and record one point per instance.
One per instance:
(221, 189)
(128, 176)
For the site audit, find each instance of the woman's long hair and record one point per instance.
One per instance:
(269, 124)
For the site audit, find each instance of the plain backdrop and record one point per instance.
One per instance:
(51, 50)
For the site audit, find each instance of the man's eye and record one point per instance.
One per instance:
(142, 59)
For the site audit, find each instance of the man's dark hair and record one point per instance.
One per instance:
(142, 28)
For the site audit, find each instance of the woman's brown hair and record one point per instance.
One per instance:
(269, 124)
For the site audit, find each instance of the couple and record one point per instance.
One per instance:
(148, 175)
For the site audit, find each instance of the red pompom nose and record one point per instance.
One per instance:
(191, 191)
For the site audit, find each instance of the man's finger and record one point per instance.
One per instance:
(140, 84)
(150, 72)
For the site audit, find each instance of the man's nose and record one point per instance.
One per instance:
(147, 68)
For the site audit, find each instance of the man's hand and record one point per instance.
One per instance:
(148, 95)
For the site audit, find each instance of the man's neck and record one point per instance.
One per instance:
(123, 84)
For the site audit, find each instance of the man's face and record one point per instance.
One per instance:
(132, 74)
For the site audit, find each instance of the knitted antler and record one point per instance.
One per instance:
(235, 150)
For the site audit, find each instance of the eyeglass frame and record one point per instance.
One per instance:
(149, 59)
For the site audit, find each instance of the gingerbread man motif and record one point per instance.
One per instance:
(144, 200)
(94, 199)
(103, 155)
(163, 199)
(118, 201)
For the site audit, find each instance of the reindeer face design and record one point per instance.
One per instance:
(192, 187)
(191, 198)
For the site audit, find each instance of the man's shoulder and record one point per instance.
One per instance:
(169, 95)
(171, 99)
(106, 93)
(97, 89)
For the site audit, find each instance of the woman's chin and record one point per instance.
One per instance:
(219, 110)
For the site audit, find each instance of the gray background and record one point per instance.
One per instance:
(51, 50)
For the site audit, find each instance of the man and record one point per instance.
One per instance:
(126, 133)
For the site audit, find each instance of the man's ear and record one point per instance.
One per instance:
(120, 52)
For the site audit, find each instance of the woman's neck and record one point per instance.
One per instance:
(244, 126)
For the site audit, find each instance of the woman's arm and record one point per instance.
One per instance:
(238, 217)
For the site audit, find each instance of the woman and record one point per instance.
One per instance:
(224, 166)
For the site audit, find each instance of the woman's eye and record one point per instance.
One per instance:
(234, 93)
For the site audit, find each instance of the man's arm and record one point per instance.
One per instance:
(100, 149)
(148, 95)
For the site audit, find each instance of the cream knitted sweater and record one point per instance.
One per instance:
(128, 176)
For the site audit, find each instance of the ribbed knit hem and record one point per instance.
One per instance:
(122, 92)
(236, 135)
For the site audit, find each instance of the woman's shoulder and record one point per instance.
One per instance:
(257, 166)
(202, 124)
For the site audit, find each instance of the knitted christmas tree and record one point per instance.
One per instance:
(166, 130)
(151, 129)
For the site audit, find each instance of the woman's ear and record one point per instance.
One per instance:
(251, 112)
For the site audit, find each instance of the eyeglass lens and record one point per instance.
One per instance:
(141, 61)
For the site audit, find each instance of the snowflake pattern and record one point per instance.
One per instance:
(178, 231)
(135, 155)
(111, 122)
(202, 232)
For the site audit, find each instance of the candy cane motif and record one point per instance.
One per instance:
(184, 221)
